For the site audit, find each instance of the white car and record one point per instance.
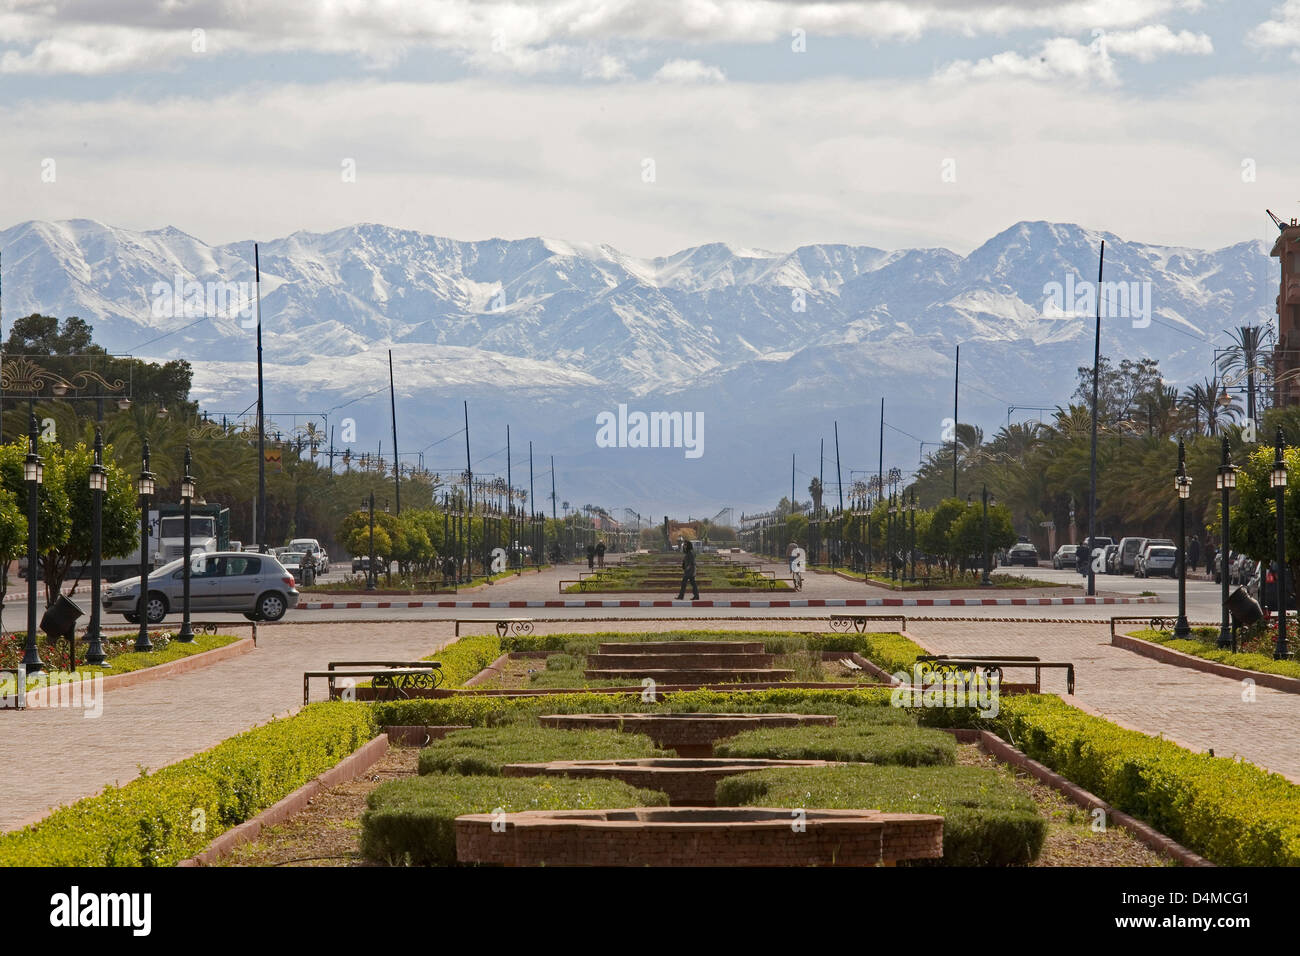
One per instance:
(312, 546)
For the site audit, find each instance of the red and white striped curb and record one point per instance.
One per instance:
(800, 602)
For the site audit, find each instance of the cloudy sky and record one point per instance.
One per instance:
(655, 125)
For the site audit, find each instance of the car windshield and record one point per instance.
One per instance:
(201, 526)
(1161, 552)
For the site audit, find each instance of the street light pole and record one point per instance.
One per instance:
(1278, 480)
(984, 495)
(371, 575)
(33, 472)
(95, 656)
(1227, 481)
(145, 486)
(186, 635)
(1184, 486)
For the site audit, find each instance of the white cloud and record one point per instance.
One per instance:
(86, 36)
(689, 71)
(1281, 31)
(1155, 40)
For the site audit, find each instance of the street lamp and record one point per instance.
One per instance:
(893, 510)
(186, 636)
(912, 507)
(33, 474)
(370, 566)
(98, 482)
(146, 488)
(1226, 480)
(1277, 479)
(1183, 484)
(984, 496)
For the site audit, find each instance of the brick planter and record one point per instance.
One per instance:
(678, 647)
(688, 783)
(691, 735)
(724, 836)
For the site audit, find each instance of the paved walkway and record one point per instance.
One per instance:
(1199, 711)
(55, 756)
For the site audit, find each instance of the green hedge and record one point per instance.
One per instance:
(1231, 812)
(412, 822)
(162, 818)
(854, 742)
(987, 820)
(893, 652)
(484, 750)
(465, 657)
(1207, 648)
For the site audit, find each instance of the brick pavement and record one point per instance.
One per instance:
(1197, 710)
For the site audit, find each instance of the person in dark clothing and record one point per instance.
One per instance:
(591, 557)
(1193, 553)
(449, 572)
(1082, 556)
(600, 554)
(1211, 552)
(688, 573)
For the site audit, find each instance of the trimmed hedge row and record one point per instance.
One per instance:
(465, 657)
(162, 818)
(485, 750)
(1231, 812)
(412, 822)
(855, 743)
(1207, 649)
(987, 820)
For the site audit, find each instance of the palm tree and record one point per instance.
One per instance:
(1242, 359)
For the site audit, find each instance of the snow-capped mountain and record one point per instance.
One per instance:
(544, 334)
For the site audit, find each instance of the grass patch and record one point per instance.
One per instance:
(856, 742)
(486, 750)
(987, 820)
(412, 822)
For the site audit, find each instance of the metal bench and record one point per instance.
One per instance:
(504, 625)
(396, 680)
(990, 664)
(858, 622)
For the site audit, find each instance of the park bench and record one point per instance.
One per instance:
(396, 677)
(436, 587)
(504, 625)
(990, 664)
(858, 622)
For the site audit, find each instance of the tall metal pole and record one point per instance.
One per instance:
(880, 465)
(95, 656)
(372, 573)
(532, 499)
(469, 490)
(259, 510)
(397, 462)
(1092, 473)
(510, 501)
(839, 482)
(1279, 491)
(1227, 481)
(142, 642)
(31, 655)
(1182, 629)
(186, 635)
(956, 378)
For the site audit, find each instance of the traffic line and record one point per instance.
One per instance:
(789, 603)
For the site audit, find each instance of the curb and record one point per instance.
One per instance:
(995, 746)
(349, 768)
(790, 603)
(147, 675)
(1168, 655)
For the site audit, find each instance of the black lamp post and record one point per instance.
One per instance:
(1226, 481)
(145, 486)
(34, 474)
(1183, 484)
(912, 507)
(893, 537)
(95, 656)
(370, 566)
(1278, 480)
(984, 496)
(186, 636)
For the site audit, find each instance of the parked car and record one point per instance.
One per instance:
(312, 547)
(1023, 553)
(1129, 548)
(1262, 586)
(1111, 560)
(1067, 556)
(1156, 559)
(257, 586)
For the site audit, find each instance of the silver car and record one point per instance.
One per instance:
(1156, 559)
(255, 585)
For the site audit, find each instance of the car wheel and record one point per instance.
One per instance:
(250, 615)
(132, 618)
(271, 606)
(156, 607)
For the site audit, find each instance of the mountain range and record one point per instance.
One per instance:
(544, 335)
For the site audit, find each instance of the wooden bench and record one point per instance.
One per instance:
(990, 664)
(396, 679)
(504, 625)
(858, 622)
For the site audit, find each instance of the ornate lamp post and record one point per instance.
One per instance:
(1183, 484)
(98, 482)
(912, 507)
(186, 636)
(33, 474)
(1226, 480)
(984, 496)
(146, 488)
(1277, 479)
(893, 521)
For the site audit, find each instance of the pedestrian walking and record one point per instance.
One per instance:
(796, 558)
(688, 573)
(1194, 553)
(591, 557)
(600, 554)
(1211, 552)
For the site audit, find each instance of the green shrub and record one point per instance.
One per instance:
(987, 820)
(484, 750)
(563, 662)
(893, 652)
(1204, 644)
(1231, 812)
(412, 821)
(856, 743)
(164, 817)
(464, 658)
